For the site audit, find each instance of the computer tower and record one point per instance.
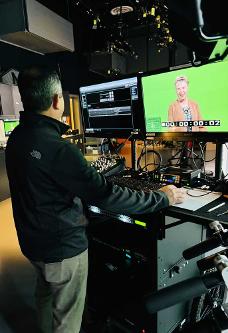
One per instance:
(127, 262)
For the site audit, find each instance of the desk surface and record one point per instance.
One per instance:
(201, 215)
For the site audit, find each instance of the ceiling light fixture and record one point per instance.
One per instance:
(121, 10)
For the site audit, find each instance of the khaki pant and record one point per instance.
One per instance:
(60, 294)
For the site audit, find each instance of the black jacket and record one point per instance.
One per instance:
(51, 182)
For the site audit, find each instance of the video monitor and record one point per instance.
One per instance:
(112, 109)
(187, 102)
(9, 125)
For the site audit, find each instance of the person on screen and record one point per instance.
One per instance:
(184, 109)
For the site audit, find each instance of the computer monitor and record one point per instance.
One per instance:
(188, 102)
(112, 109)
(9, 125)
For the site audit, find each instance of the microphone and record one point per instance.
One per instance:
(218, 239)
(181, 292)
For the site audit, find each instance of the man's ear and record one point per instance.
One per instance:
(55, 102)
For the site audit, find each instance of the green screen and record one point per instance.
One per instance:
(208, 86)
(9, 125)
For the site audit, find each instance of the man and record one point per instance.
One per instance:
(51, 184)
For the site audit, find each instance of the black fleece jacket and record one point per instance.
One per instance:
(51, 182)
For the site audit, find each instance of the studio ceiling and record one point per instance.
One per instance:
(104, 24)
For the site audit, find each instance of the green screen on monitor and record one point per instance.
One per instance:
(191, 99)
(9, 125)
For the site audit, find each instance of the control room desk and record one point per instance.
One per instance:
(201, 216)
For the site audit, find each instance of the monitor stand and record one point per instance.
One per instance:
(185, 154)
(218, 161)
(185, 151)
(133, 154)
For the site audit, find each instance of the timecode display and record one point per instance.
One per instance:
(191, 123)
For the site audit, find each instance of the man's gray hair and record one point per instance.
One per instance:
(37, 86)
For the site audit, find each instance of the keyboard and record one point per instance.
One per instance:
(135, 182)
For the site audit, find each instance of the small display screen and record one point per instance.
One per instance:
(111, 108)
(9, 125)
(170, 179)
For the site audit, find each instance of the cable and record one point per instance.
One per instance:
(121, 145)
(227, 172)
(195, 196)
(174, 156)
(142, 152)
(207, 161)
(153, 163)
(212, 159)
(193, 158)
(203, 158)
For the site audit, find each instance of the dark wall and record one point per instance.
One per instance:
(151, 58)
(73, 66)
(74, 70)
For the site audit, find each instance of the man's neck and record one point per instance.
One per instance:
(51, 113)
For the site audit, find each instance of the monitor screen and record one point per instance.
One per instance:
(111, 108)
(187, 101)
(9, 125)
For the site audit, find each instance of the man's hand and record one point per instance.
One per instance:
(174, 194)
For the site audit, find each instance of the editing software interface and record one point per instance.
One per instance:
(192, 100)
(110, 108)
(9, 125)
